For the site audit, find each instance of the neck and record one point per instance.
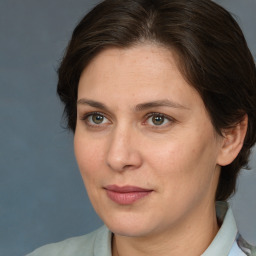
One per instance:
(191, 237)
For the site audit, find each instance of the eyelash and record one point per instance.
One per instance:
(166, 117)
(88, 115)
(147, 117)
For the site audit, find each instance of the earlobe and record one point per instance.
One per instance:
(232, 142)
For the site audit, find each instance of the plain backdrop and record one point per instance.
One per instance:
(42, 197)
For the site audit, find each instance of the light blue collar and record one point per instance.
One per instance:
(226, 237)
(221, 245)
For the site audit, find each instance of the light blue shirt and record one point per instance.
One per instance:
(227, 242)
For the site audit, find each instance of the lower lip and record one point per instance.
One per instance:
(126, 198)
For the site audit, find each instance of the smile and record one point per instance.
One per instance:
(126, 195)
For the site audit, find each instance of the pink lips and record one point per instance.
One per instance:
(126, 195)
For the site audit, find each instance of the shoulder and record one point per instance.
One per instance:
(74, 246)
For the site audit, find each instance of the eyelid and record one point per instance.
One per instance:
(85, 117)
(169, 118)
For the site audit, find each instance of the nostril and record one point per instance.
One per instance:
(127, 167)
(122, 166)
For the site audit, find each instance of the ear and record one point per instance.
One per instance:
(232, 143)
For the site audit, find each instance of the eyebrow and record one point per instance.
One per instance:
(139, 107)
(92, 103)
(159, 103)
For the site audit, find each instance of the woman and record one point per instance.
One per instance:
(161, 97)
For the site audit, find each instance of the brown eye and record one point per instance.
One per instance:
(158, 120)
(97, 119)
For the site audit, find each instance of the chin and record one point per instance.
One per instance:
(129, 231)
(135, 226)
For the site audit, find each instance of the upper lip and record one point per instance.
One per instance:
(126, 189)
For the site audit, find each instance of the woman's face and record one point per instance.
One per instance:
(144, 143)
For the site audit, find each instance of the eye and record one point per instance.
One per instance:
(158, 119)
(95, 119)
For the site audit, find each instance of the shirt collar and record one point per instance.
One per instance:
(221, 245)
(223, 241)
(103, 241)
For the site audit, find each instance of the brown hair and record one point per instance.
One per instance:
(213, 57)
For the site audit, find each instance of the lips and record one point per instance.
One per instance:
(127, 194)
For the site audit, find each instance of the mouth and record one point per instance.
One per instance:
(126, 195)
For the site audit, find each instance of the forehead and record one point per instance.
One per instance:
(143, 59)
(141, 73)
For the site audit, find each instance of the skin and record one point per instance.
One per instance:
(179, 159)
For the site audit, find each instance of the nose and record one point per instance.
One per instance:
(123, 151)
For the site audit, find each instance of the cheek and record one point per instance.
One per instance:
(89, 157)
(169, 158)
(188, 162)
(185, 175)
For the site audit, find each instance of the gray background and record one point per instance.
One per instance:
(42, 198)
